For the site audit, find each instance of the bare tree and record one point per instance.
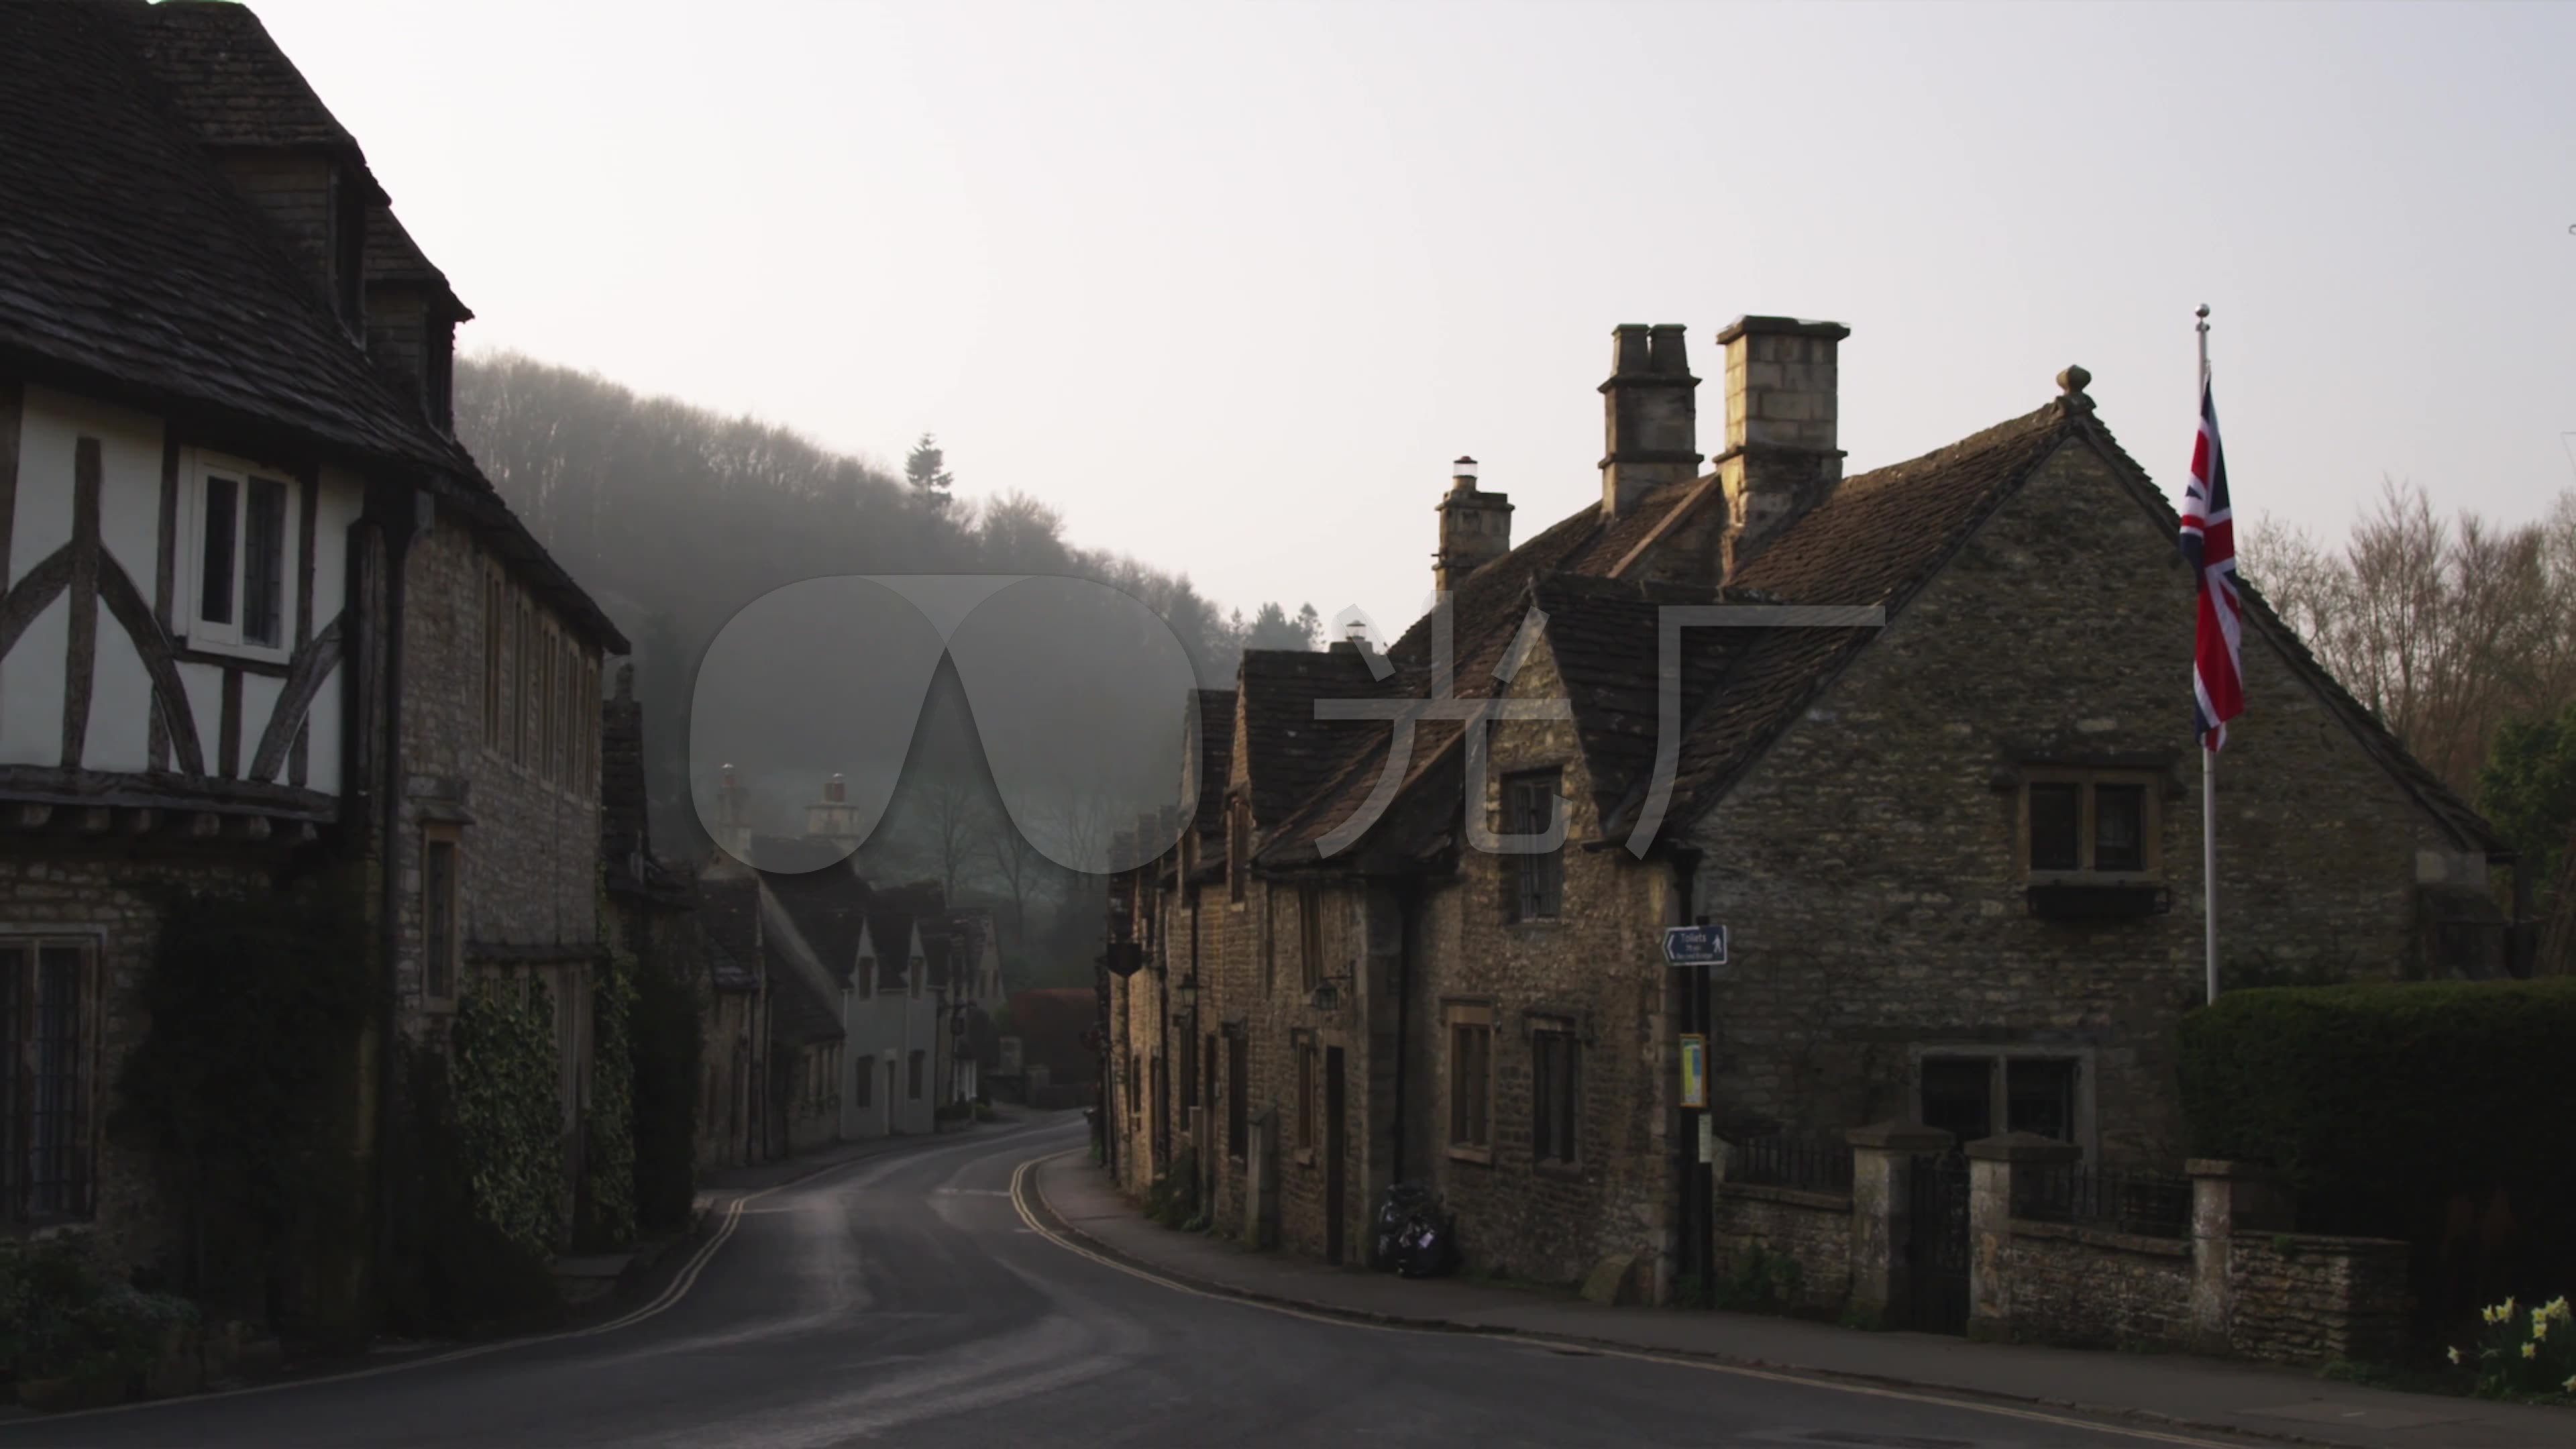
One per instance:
(2445, 629)
(1014, 863)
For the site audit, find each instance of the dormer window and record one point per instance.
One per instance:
(240, 532)
(438, 376)
(867, 977)
(912, 979)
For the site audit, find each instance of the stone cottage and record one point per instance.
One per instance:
(1918, 737)
(265, 619)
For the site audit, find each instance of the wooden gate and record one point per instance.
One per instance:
(1936, 1248)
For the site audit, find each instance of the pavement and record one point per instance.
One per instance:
(2181, 1394)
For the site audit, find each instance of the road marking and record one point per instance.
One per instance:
(1020, 1202)
(663, 1302)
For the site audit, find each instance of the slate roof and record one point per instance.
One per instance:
(799, 1012)
(830, 909)
(392, 256)
(131, 268)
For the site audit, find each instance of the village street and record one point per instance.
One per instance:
(903, 1299)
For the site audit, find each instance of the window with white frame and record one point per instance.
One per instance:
(241, 532)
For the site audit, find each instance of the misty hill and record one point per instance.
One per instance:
(676, 518)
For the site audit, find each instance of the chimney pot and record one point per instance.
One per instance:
(835, 790)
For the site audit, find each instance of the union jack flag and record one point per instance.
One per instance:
(2209, 542)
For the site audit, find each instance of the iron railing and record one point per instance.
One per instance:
(2147, 1204)
(1810, 1164)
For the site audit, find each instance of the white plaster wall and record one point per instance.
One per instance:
(120, 704)
(31, 690)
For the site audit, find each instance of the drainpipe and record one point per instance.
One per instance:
(398, 532)
(1407, 916)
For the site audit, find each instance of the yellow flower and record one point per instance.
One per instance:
(2487, 1314)
(2570, 1385)
(2557, 1308)
(2531, 1350)
(2539, 1328)
(2455, 1355)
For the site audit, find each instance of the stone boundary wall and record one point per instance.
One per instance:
(1811, 1228)
(2235, 1285)
(2304, 1298)
(2091, 1288)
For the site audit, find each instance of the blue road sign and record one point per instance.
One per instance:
(1694, 945)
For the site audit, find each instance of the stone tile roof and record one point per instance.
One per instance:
(1288, 753)
(1877, 539)
(131, 268)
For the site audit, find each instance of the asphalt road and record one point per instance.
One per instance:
(902, 1299)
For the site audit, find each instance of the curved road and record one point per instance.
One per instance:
(903, 1299)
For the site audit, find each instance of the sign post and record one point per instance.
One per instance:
(1695, 948)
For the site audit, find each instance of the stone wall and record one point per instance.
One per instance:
(1812, 1228)
(58, 889)
(529, 857)
(1870, 864)
(1598, 967)
(2088, 1288)
(2306, 1298)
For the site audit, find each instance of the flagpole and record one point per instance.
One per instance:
(2208, 760)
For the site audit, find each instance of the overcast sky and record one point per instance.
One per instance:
(1231, 283)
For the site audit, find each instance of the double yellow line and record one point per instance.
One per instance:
(1022, 1200)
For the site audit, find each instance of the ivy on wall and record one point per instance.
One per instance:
(606, 1217)
(507, 1107)
(246, 1090)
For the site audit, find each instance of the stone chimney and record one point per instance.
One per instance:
(1475, 528)
(1780, 457)
(1650, 414)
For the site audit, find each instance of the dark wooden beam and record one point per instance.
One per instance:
(80, 651)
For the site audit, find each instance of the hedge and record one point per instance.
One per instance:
(2375, 1095)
